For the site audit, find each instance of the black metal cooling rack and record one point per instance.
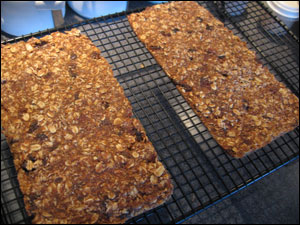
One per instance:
(202, 172)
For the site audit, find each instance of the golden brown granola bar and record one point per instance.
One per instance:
(240, 102)
(79, 154)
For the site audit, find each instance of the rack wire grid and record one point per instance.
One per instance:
(202, 173)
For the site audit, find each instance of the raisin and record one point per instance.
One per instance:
(32, 158)
(192, 50)
(186, 87)
(105, 104)
(13, 141)
(48, 75)
(33, 126)
(40, 44)
(191, 58)
(58, 180)
(165, 34)
(76, 95)
(72, 66)
(23, 166)
(55, 146)
(44, 161)
(175, 30)
(208, 27)
(104, 123)
(189, 31)
(245, 105)
(139, 136)
(73, 56)
(204, 82)
(152, 47)
(199, 19)
(95, 55)
(41, 137)
(3, 81)
(73, 74)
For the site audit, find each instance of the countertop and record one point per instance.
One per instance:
(273, 199)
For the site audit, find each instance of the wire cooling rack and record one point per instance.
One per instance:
(202, 172)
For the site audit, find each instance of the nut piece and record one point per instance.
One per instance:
(28, 47)
(75, 129)
(117, 121)
(26, 117)
(231, 134)
(119, 147)
(35, 147)
(68, 137)
(99, 168)
(40, 118)
(153, 179)
(135, 155)
(237, 112)
(41, 104)
(111, 195)
(52, 129)
(159, 171)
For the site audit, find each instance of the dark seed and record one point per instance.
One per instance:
(33, 126)
(73, 56)
(41, 137)
(191, 58)
(58, 180)
(221, 56)
(152, 47)
(189, 31)
(3, 81)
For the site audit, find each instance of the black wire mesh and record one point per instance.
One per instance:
(201, 171)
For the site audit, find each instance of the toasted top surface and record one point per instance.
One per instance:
(80, 155)
(240, 102)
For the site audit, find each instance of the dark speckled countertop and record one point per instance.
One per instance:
(273, 199)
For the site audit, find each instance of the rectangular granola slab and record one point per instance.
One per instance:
(80, 155)
(239, 101)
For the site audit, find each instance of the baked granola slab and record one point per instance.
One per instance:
(240, 102)
(80, 155)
